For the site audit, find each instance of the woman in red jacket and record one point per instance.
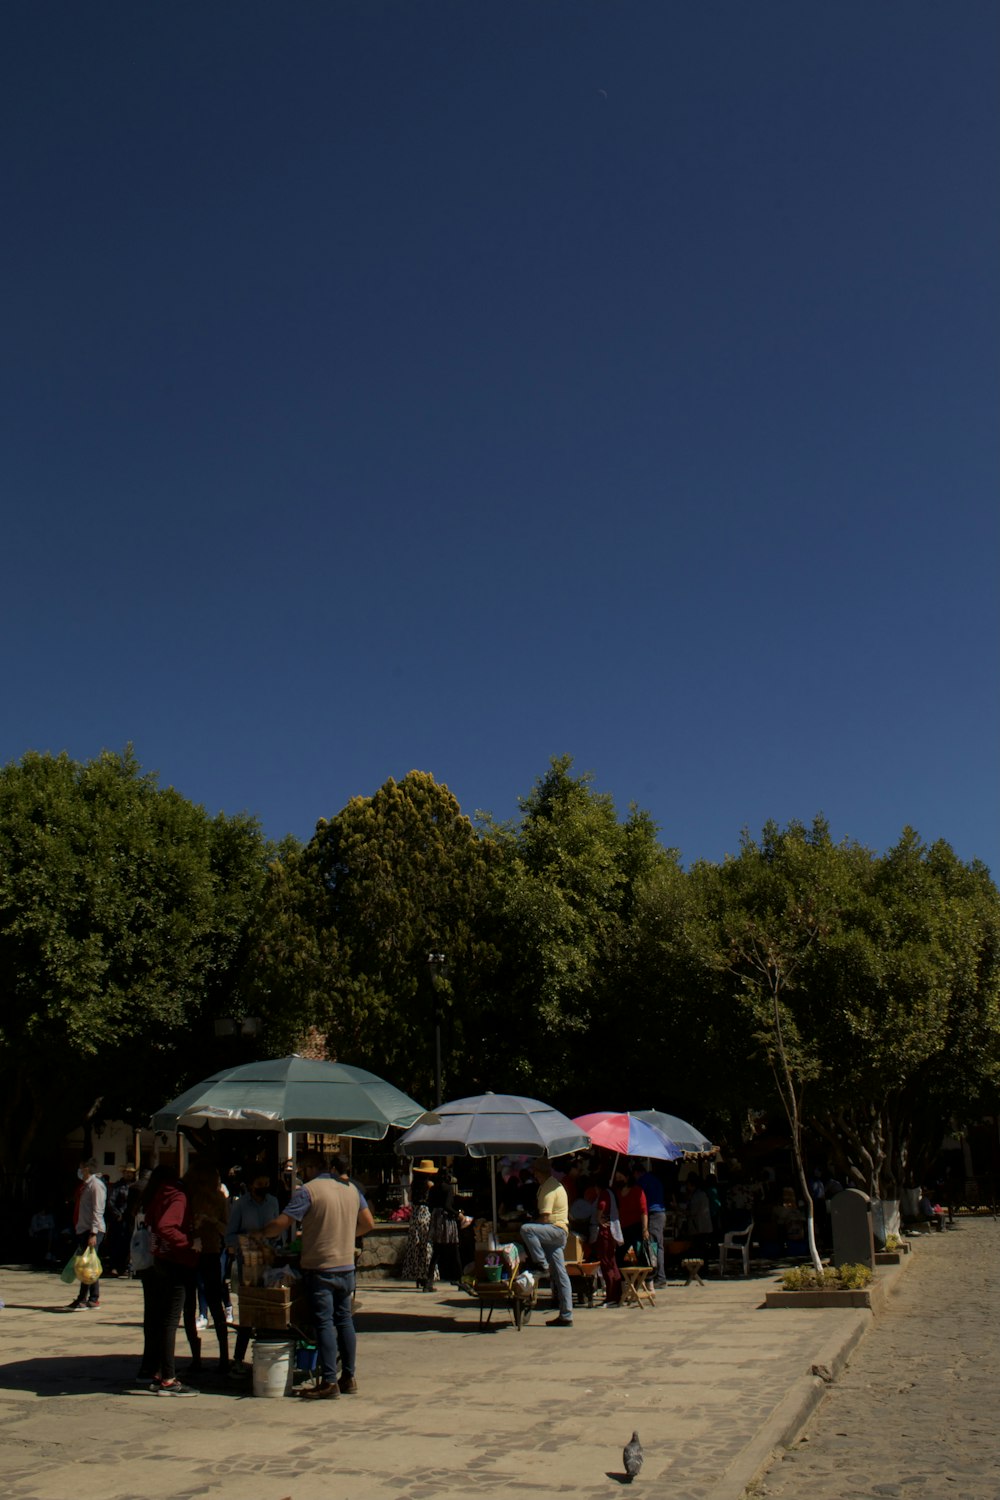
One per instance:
(175, 1264)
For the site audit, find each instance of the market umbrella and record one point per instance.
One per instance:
(627, 1135)
(293, 1093)
(493, 1125)
(690, 1142)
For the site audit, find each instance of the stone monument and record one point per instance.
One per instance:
(851, 1221)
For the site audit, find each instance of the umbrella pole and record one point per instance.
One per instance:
(493, 1187)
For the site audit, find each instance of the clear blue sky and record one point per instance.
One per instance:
(451, 384)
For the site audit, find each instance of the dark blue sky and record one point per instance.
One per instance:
(456, 384)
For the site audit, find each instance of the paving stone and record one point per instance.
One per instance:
(920, 1399)
(456, 1412)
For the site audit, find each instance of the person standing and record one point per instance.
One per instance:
(209, 1211)
(606, 1237)
(444, 1232)
(545, 1239)
(332, 1213)
(699, 1213)
(417, 1255)
(247, 1216)
(175, 1262)
(656, 1207)
(633, 1213)
(89, 1226)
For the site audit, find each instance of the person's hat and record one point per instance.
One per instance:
(425, 1166)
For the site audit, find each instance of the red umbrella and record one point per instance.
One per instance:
(627, 1135)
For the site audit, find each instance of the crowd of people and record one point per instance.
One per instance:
(622, 1211)
(619, 1209)
(184, 1237)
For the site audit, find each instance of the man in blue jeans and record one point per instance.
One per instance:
(545, 1239)
(332, 1214)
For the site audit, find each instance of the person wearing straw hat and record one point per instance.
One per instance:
(417, 1255)
(545, 1239)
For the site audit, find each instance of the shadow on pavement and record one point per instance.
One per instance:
(420, 1322)
(83, 1374)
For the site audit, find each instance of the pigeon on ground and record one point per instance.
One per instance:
(632, 1457)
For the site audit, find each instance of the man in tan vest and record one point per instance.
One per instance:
(332, 1213)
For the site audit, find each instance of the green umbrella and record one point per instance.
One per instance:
(293, 1093)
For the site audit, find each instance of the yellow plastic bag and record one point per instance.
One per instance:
(86, 1266)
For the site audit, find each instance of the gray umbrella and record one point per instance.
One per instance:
(293, 1093)
(493, 1125)
(683, 1135)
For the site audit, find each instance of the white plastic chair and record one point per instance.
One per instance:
(736, 1242)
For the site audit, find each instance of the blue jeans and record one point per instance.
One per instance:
(657, 1224)
(330, 1294)
(545, 1244)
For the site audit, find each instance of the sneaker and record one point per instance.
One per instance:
(326, 1391)
(347, 1385)
(559, 1322)
(90, 1305)
(76, 1306)
(173, 1388)
(201, 1323)
(229, 1314)
(239, 1370)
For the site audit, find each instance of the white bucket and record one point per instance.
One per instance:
(272, 1369)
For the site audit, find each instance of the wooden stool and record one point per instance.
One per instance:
(693, 1269)
(636, 1290)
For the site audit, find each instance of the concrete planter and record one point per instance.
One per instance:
(891, 1257)
(871, 1297)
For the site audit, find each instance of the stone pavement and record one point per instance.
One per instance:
(712, 1382)
(917, 1412)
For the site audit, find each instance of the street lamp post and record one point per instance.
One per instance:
(436, 964)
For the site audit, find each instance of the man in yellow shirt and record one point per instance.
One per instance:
(545, 1240)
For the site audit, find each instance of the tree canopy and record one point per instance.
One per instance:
(876, 977)
(583, 963)
(124, 911)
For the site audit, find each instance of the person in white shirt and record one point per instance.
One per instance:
(89, 1224)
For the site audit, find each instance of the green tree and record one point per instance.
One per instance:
(916, 974)
(871, 983)
(351, 919)
(569, 880)
(774, 905)
(124, 912)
